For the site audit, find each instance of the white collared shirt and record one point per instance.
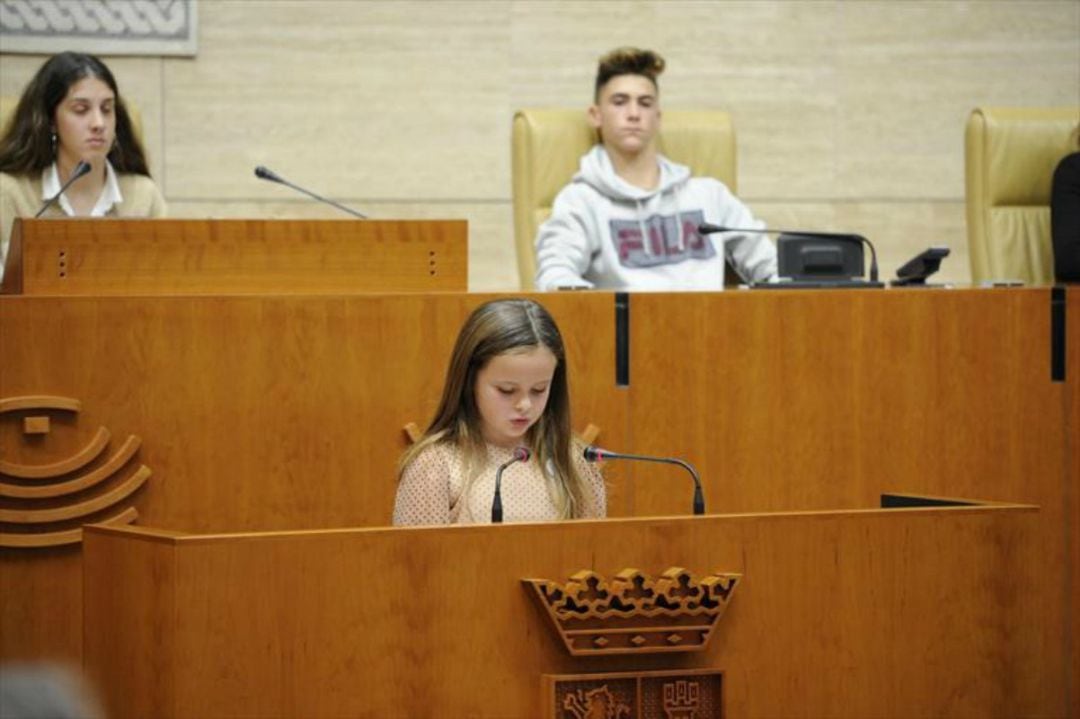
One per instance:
(110, 194)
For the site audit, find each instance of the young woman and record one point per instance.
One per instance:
(69, 113)
(506, 387)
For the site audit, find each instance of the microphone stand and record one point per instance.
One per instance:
(266, 174)
(521, 454)
(595, 454)
(79, 170)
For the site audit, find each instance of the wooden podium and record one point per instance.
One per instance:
(284, 412)
(164, 257)
(885, 613)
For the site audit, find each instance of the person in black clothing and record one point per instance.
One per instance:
(1065, 219)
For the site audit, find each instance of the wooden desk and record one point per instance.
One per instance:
(274, 412)
(163, 257)
(885, 613)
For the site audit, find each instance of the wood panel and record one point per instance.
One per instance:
(151, 567)
(260, 413)
(255, 413)
(163, 257)
(829, 399)
(41, 596)
(844, 614)
(285, 412)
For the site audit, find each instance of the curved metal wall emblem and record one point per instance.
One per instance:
(44, 505)
(634, 613)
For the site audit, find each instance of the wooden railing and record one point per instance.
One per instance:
(163, 257)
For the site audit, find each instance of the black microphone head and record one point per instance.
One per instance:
(707, 228)
(593, 454)
(264, 173)
(81, 169)
(522, 454)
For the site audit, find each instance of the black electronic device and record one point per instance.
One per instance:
(914, 272)
(814, 259)
(810, 257)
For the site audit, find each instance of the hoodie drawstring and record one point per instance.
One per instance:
(678, 218)
(646, 241)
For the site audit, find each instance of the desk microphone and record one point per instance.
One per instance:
(706, 228)
(81, 169)
(595, 454)
(521, 454)
(264, 173)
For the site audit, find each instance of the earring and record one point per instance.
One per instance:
(54, 143)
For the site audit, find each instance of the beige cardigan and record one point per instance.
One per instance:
(20, 196)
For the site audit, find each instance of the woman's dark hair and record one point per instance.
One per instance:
(26, 145)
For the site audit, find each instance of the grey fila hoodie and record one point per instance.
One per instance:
(606, 233)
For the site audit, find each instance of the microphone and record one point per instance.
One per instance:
(706, 228)
(264, 173)
(521, 454)
(81, 169)
(595, 454)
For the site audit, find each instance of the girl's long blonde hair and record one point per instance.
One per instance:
(495, 328)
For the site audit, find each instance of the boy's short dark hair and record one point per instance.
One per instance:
(628, 61)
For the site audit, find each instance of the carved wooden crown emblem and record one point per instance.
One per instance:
(634, 613)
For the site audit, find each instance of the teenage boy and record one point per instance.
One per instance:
(628, 220)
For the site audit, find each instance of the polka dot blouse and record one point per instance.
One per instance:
(430, 491)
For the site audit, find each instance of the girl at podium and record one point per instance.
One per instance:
(505, 404)
(72, 132)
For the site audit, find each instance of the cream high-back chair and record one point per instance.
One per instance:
(548, 143)
(7, 109)
(1010, 156)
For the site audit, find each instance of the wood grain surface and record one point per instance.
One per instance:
(887, 613)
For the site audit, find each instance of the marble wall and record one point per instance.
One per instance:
(850, 113)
